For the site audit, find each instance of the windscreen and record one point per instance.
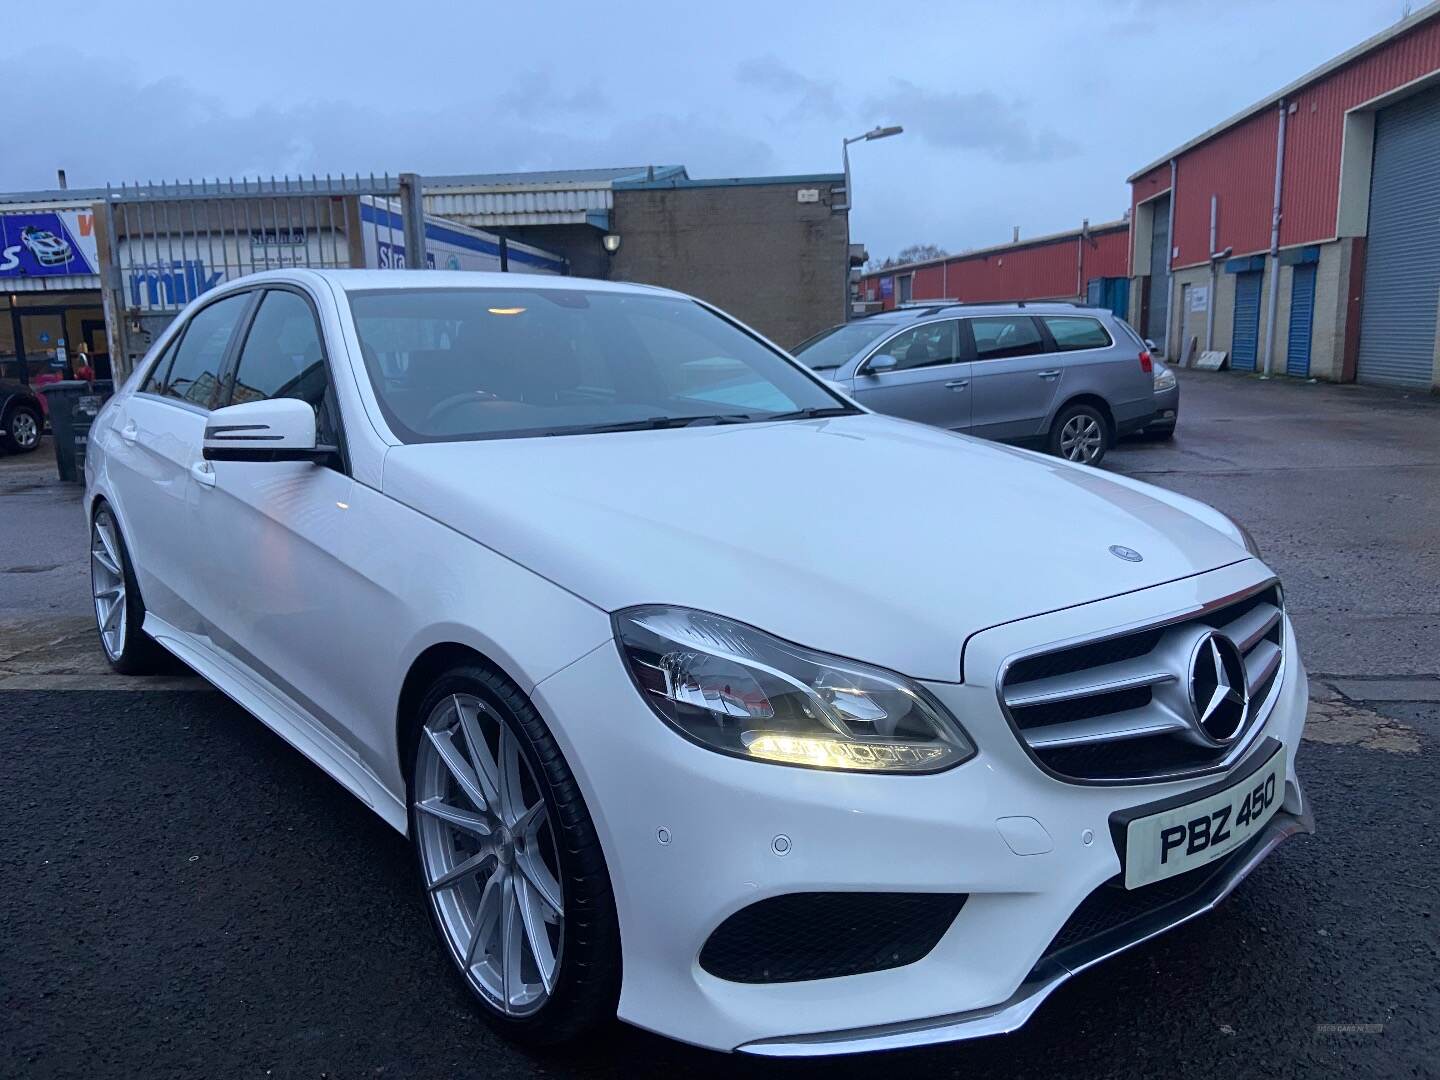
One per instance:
(474, 363)
(831, 348)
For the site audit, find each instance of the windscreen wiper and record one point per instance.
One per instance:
(656, 423)
(812, 413)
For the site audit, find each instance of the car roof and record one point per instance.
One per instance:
(953, 309)
(360, 280)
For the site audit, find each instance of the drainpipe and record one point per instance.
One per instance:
(1170, 304)
(1275, 243)
(1080, 260)
(1210, 307)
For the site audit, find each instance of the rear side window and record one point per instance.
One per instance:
(1076, 332)
(194, 374)
(1001, 336)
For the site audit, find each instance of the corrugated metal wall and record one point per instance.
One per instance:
(1239, 167)
(1314, 132)
(1049, 269)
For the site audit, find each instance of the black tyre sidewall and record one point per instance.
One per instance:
(587, 989)
(1064, 417)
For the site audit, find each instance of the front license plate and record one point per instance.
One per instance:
(1171, 841)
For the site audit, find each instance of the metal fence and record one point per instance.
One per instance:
(173, 241)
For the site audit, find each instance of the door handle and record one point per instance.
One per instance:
(957, 384)
(203, 473)
(129, 432)
(1051, 374)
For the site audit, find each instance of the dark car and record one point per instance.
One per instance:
(22, 419)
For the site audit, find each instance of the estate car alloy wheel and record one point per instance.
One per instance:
(501, 868)
(1080, 434)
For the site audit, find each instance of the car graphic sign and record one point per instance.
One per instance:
(47, 243)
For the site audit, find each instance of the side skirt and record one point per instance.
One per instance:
(282, 716)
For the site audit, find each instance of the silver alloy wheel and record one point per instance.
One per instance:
(1082, 438)
(490, 855)
(25, 430)
(107, 582)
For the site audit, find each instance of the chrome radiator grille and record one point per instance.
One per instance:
(1129, 707)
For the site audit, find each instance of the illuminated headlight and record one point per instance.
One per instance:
(740, 691)
(1164, 377)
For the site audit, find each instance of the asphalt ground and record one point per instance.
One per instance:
(181, 894)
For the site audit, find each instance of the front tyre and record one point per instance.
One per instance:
(119, 611)
(1080, 433)
(510, 863)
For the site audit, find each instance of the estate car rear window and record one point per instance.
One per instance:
(450, 364)
(1076, 332)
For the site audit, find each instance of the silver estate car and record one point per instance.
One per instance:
(1069, 379)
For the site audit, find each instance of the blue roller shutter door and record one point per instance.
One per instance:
(1302, 317)
(1245, 342)
(1402, 254)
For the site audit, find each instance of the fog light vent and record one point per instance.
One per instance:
(803, 936)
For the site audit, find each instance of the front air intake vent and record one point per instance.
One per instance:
(1152, 703)
(804, 936)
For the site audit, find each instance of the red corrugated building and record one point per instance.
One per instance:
(1338, 277)
(1090, 261)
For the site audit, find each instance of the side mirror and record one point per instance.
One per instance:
(275, 429)
(883, 362)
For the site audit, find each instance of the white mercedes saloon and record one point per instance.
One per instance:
(706, 697)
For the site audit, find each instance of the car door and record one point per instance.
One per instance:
(1016, 378)
(930, 381)
(154, 451)
(274, 529)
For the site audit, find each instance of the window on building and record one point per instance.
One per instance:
(1001, 336)
(1076, 332)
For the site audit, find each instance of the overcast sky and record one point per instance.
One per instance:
(1028, 112)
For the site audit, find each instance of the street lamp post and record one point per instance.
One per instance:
(869, 136)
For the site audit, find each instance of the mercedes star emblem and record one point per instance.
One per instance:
(1219, 694)
(1120, 551)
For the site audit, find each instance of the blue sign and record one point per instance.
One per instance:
(887, 287)
(49, 243)
(171, 284)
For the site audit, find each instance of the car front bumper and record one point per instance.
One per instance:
(691, 837)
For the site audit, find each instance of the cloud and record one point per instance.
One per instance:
(969, 121)
(196, 135)
(534, 93)
(809, 98)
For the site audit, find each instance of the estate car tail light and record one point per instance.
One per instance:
(1145, 364)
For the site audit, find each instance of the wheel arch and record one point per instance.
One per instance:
(427, 666)
(1093, 400)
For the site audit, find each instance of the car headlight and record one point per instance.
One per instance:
(1164, 377)
(740, 691)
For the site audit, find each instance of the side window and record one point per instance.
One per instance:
(194, 374)
(283, 358)
(1001, 336)
(155, 377)
(924, 346)
(1076, 332)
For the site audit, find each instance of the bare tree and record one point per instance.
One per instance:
(911, 254)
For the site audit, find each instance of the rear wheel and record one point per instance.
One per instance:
(1080, 433)
(510, 863)
(21, 432)
(119, 611)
